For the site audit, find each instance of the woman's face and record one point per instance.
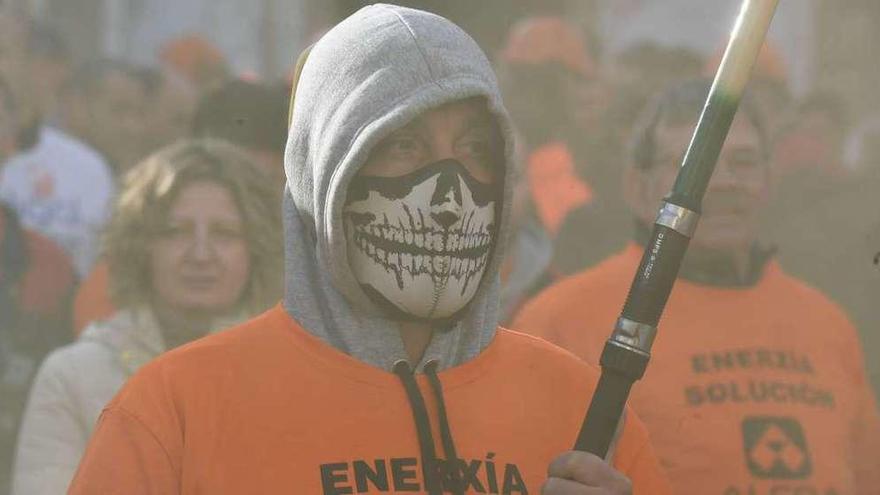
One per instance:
(200, 259)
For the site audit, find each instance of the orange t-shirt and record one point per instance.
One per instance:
(92, 302)
(751, 391)
(268, 408)
(556, 189)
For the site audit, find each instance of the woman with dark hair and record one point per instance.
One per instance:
(193, 245)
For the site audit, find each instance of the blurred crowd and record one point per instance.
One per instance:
(140, 209)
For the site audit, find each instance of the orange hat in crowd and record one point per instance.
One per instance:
(193, 57)
(770, 65)
(549, 39)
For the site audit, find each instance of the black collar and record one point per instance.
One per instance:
(717, 269)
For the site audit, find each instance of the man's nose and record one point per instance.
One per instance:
(441, 147)
(448, 190)
(446, 202)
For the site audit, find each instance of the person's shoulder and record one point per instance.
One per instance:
(259, 330)
(208, 367)
(612, 272)
(559, 293)
(78, 351)
(231, 347)
(54, 139)
(77, 361)
(811, 299)
(577, 294)
(820, 319)
(547, 374)
(55, 142)
(535, 352)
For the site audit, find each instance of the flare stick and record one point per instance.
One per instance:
(626, 354)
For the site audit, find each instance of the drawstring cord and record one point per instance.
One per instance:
(452, 462)
(423, 426)
(430, 472)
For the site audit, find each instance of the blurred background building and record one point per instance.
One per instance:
(826, 44)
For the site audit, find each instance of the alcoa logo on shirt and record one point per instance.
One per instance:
(404, 474)
(776, 448)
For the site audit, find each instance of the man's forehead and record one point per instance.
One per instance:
(472, 112)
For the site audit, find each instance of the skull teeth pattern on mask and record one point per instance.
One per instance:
(412, 251)
(422, 246)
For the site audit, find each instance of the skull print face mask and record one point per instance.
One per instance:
(419, 244)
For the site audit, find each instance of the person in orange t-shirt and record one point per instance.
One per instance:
(383, 370)
(547, 55)
(756, 384)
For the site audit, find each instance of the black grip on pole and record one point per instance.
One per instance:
(621, 367)
(656, 274)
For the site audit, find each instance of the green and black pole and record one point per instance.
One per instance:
(628, 351)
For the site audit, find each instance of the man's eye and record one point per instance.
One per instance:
(480, 158)
(479, 148)
(402, 146)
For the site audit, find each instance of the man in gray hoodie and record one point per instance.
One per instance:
(399, 178)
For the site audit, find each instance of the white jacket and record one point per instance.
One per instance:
(70, 390)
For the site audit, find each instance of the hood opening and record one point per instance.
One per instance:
(366, 77)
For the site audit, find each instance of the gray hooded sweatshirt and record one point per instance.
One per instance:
(367, 77)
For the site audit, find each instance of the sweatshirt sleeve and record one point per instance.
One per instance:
(125, 457)
(52, 435)
(867, 444)
(535, 317)
(865, 430)
(864, 437)
(634, 457)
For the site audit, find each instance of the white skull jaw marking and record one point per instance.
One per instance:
(423, 268)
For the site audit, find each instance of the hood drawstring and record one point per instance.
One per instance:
(435, 478)
(452, 462)
(423, 426)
